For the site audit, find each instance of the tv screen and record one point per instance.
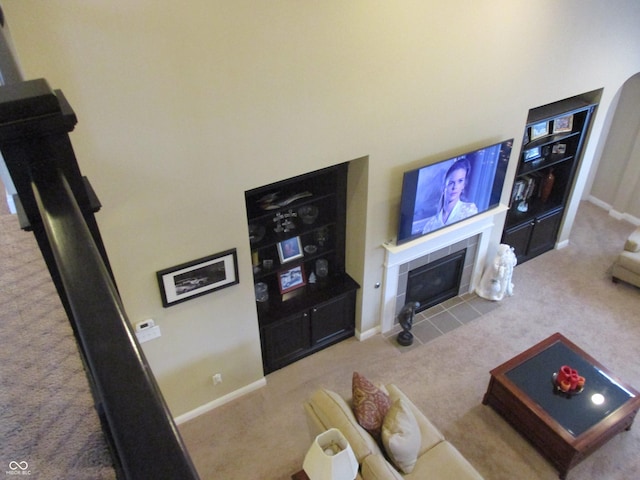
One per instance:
(449, 191)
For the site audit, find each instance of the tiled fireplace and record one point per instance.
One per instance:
(437, 276)
(472, 235)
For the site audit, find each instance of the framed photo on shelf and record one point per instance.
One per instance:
(291, 279)
(290, 249)
(559, 149)
(532, 154)
(539, 130)
(563, 124)
(198, 277)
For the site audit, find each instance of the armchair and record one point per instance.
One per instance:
(627, 264)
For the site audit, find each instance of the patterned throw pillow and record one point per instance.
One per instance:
(370, 404)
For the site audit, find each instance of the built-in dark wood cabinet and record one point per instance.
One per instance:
(297, 231)
(554, 139)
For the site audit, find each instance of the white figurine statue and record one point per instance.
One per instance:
(496, 280)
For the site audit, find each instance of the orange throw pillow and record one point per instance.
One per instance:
(370, 404)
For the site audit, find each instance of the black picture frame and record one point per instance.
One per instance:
(198, 277)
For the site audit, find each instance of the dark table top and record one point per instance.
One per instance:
(601, 395)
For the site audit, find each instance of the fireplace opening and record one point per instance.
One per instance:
(437, 281)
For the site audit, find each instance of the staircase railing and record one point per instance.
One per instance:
(58, 205)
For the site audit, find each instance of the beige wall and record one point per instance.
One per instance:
(183, 106)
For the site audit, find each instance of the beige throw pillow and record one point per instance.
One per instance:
(401, 436)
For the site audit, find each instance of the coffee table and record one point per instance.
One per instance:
(565, 428)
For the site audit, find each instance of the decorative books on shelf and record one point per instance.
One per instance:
(535, 185)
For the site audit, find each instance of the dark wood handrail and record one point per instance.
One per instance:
(145, 438)
(139, 428)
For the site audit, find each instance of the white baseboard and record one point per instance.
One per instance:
(599, 203)
(185, 417)
(367, 333)
(562, 244)
(614, 213)
(207, 407)
(10, 203)
(631, 219)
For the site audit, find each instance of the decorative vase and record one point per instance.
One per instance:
(547, 186)
(308, 214)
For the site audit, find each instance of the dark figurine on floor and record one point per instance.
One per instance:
(405, 319)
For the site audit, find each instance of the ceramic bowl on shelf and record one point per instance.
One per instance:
(308, 214)
(310, 249)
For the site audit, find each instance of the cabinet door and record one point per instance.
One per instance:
(518, 237)
(333, 319)
(545, 233)
(285, 340)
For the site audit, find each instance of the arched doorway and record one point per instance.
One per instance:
(617, 178)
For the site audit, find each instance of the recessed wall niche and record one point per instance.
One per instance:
(305, 299)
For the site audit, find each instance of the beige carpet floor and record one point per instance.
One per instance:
(264, 435)
(48, 423)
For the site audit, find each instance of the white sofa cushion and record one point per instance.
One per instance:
(401, 436)
(443, 462)
(375, 467)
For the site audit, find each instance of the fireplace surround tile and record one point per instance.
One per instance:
(464, 312)
(425, 332)
(443, 318)
(445, 321)
(470, 244)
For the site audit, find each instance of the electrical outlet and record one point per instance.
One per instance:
(217, 378)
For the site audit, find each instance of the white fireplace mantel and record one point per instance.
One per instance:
(398, 255)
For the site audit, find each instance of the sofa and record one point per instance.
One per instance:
(435, 458)
(627, 265)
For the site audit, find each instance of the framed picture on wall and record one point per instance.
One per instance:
(291, 279)
(290, 249)
(198, 277)
(539, 130)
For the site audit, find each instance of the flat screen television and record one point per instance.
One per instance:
(449, 191)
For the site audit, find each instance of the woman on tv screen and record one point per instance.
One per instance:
(440, 194)
(452, 208)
